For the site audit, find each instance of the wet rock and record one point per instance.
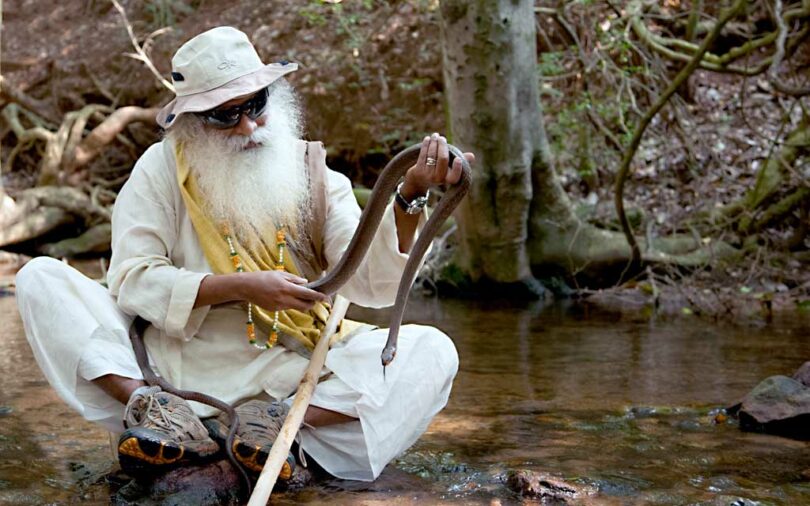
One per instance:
(778, 405)
(803, 374)
(549, 489)
(213, 483)
(206, 484)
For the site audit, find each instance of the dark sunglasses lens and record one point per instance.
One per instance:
(229, 118)
(222, 119)
(258, 105)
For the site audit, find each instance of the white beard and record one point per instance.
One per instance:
(255, 189)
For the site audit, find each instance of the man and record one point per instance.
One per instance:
(217, 226)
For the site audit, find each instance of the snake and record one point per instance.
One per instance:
(338, 276)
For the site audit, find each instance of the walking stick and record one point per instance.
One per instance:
(286, 436)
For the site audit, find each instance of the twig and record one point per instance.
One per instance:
(139, 52)
(12, 94)
(645, 121)
(283, 443)
(104, 133)
(694, 16)
(773, 71)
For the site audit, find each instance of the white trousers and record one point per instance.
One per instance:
(78, 333)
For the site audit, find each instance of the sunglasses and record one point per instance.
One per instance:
(229, 117)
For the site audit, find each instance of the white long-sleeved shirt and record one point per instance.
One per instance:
(157, 265)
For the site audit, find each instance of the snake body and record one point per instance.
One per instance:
(136, 336)
(370, 220)
(343, 271)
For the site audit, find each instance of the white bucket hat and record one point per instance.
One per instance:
(214, 67)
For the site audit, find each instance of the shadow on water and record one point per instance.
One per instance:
(622, 405)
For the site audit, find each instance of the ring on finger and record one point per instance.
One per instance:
(430, 162)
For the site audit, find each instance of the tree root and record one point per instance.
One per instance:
(680, 50)
(33, 225)
(781, 209)
(103, 134)
(750, 212)
(96, 240)
(41, 209)
(66, 149)
(588, 252)
(11, 94)
(70, 199)
(693, 64)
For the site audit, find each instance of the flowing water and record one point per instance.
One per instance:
(622, 406)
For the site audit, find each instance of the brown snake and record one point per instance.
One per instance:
(337, 277)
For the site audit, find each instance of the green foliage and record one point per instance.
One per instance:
(454, 276)
(414, 84)
(162, 13)
(313, 13)
(321, 13)
(551, 63)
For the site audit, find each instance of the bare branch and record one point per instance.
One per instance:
(650, 114)
(773, 71)
(140, 54)
(11, 94)
(681, 50)
(104, 133)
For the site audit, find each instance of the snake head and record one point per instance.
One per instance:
(388, 354)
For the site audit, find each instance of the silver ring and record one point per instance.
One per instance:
(430, 162)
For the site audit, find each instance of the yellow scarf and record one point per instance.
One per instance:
(303, 327)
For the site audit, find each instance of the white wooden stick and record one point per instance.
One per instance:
(284, 441)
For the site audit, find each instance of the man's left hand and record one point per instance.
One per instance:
(432, 168)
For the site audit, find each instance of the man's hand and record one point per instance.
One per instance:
(277, 290)
(432, 168)
(271, 290)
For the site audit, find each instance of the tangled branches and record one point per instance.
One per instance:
(58, 155)
(712, 135)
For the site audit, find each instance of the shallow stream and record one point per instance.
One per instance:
(621, 405)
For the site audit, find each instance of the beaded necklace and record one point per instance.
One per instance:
(281, 244)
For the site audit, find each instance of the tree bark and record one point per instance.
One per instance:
(492, 100)
(517, 217)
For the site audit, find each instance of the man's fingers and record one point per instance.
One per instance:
(298, 280)
(304, 293)
(423, 153)
(432, 152)
(454, 176)
(300, 305)
(442, 161)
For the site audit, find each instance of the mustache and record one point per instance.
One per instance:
(262, 136)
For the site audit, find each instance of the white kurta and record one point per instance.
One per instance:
(155, 271)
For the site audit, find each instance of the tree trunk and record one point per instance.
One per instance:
(492, 99)
(517, 217)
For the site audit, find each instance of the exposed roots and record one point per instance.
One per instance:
(587, 252)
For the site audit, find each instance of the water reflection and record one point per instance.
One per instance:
(619, 404)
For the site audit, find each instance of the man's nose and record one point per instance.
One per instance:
(245, 127)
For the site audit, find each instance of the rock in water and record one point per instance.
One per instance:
(803, 374)
(212, 483)
(547, 488)
(779, 405)
(206, 484)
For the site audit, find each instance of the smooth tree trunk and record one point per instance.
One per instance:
(491, 93)
(490, 72)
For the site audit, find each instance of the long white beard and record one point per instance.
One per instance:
(257, 188)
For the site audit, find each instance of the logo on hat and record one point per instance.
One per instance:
(227, 64)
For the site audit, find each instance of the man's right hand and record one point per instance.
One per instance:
(277, 290)
(270, 290)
